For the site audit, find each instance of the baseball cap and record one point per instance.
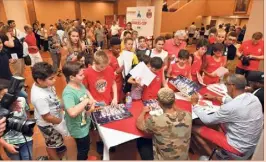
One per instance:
(256, 76)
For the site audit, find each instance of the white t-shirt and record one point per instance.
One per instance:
(163, 54)
(61, 34)
(115, 29)
(44, 101)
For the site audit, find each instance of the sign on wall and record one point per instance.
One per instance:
(142, 19)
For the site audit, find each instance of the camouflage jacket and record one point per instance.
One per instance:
(171, 135)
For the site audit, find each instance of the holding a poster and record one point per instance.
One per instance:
(142, 19)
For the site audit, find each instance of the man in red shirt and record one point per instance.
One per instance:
(113, 54)
(31, 48)
(174, 45)
(250, 53)
(100, 79)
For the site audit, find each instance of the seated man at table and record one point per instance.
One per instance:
(241, 119)
(171, 131)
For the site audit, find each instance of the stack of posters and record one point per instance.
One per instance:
(107, 114)
(185, 85)
(156, 110)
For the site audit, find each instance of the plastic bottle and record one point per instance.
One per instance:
(128, 100)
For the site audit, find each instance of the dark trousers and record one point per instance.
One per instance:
(83, 147)
(144, 146)
(242, 71)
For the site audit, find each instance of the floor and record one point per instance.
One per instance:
(127, 151)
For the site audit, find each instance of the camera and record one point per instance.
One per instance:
(25, 126)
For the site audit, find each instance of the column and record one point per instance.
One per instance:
(30, 11)
(15, 10)
(77, 10)
(2, 12)
(255, 22)
(158, 4)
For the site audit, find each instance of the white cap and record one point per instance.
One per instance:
(181, 33)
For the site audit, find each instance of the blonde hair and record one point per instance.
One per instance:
(221, 31)
(100, 57)
(166, 97)
(70, 45)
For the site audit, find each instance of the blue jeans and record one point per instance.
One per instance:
(23, 152)
(100, 44)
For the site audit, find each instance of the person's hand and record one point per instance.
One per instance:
(209, 96)
(120, 69)
(2, 126)
(213, 75)
(17, 106)
(92, 107)
(114, 102)
(146, 109)
(12, 61)
(138, 81)
(11, 148)
(248, 89)
(194, 99)
(8, 35)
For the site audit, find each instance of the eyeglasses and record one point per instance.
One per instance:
(227, 84)
(232, 39)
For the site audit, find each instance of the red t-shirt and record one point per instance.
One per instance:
(100, 83)
(247, 48)
(118, 78)
(172, 48)
(212, 65)
(31, 41)
(150, 92)
(196, 67)
(176, 71)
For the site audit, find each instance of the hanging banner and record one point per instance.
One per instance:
(142, 19)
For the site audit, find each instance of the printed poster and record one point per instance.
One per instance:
(142, 19)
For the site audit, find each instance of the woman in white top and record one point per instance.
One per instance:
(158, 50)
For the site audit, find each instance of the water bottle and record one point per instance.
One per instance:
(128, 100)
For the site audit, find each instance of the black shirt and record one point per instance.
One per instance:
(5, 72)
(18, 47)
(230, 52)
(260, 95)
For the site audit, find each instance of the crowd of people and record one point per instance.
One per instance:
(87, 53)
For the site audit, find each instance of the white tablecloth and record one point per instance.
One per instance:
(112, 138)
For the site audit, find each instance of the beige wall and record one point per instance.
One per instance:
(15, 10)
(49, 12)
(96, 10)
(123, 4)
(222, 7)
(172, 21)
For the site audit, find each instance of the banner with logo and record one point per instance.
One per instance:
(142, 19)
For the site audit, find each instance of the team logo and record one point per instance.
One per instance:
(149, 13)
(139, 15)
(259, 50)
(101, 85)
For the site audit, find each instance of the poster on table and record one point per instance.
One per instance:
(142, 19)
(107, 114)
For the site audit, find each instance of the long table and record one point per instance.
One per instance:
(125, 130)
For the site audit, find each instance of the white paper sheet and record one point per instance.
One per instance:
(208, 108)
(125, 59)
(141, 71)
(219, 89)
(221, 71)
(14, 56)
(200, 79)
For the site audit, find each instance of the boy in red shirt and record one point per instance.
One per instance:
(212, 63)
(150, 92)
(100, 79)
(196, 65)
(254, 51)
(113, 54)
(181, 67)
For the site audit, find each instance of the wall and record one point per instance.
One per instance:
(123, 4)
(96, 10)
(222, 7)
(17, 13)
(49, 12)
(2, 12)
(243, 22)
(172, 21)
